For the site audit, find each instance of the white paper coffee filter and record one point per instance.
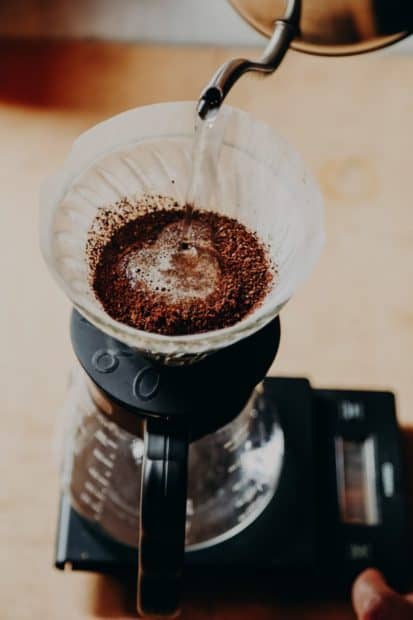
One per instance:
(259, 179)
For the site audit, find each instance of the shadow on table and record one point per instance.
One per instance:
(208, 599)
(113, 598)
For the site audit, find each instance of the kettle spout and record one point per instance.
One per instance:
(230, 72)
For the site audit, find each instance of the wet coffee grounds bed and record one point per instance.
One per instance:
(151, 276)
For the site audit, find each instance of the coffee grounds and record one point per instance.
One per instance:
(233, 280)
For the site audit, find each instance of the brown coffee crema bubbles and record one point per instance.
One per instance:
(151, 270)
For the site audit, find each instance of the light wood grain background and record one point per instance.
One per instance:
(350, 325)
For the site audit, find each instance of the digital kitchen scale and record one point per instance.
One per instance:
(339, 507)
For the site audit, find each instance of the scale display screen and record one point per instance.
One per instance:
(356, 481)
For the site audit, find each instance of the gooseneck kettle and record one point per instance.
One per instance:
(327, 28)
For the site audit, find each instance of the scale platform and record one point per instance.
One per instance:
(340, 505)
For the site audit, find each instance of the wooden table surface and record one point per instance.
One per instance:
(350, 325)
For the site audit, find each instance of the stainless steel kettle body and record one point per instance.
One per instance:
(335, 27)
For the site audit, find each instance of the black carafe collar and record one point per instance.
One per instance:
(207, 393)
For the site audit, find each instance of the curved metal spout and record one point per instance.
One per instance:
(224, 79)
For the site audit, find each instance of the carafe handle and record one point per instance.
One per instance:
(162, 517)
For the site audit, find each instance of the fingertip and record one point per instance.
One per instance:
(374, 600)
(368, 593)
(369, 578)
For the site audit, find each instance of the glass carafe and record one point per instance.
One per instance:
(232, 473)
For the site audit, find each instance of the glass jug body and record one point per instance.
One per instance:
(233, 473)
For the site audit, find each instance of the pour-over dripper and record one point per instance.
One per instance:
(258, 179)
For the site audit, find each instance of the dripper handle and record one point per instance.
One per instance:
(162, 517)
